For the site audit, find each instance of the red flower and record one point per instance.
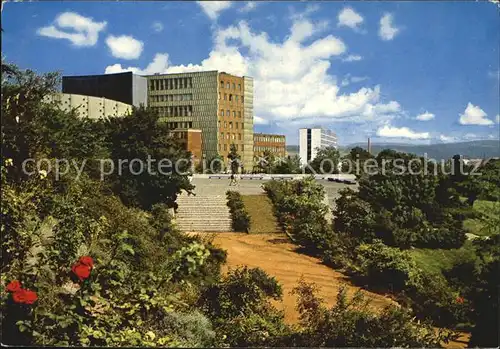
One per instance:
(14, 286)
(81, 270)
(460, 300)
(87, 260)
(24, 296)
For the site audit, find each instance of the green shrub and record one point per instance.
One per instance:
(239, 215)
(350, 323)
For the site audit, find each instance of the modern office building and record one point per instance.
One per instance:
(122, 87)
(88, 106)
(313, 139)
(217, 103)
(275, 144)
(190, 138)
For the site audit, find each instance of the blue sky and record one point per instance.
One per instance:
(405, 72)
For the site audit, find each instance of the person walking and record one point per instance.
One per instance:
(233, 179)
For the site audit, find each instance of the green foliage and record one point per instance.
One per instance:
(234, 159)
(288, 165)
(403, 206)
(325, 162)
(356, 158)
(141, 136)
(382, 265)
(350, 323)
(240, 309)
(299, 207)
(239, 215)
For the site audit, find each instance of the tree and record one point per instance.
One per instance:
(326, 161)
(234, 159)
(356, 158)
(266, 162)
(289, 165)
(139, 138)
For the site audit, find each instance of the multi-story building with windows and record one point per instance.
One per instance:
(89, 106)
(275, 144)
(313, 139)
(217, 103)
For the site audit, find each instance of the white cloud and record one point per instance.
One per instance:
(213, 8)
(387, 30)
(448, 139)
(400, 132)
(157, 26)
(249, 6)
(425, 116)
(349, 18)
(352, 58)
(474, 115)
(348, 79)
(260, 121)
(292, 81)
(498, 118)
(81, 31)
(124, 46)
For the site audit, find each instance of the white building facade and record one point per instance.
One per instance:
(313, 139)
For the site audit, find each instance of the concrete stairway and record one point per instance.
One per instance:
(203, 213)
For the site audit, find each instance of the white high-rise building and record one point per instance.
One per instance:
(313, 139)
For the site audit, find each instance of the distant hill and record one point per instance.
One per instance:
(472, 150)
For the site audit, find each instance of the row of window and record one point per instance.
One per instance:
(271, 149)
(171, 98)
(232, 97)
(178, 110)
(236, 124)
(236, 145)
(230, 136)
(170, 84)
(228, 113)
(269, 139)
(181, 124)
(228, 85)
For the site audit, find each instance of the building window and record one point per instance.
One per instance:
(161, 84)
(236, 98)
(225, 147)
(233, 136)
(234, 114)
(239, 87)
(222, 135)
(236, 125)
(239, 114)
(242, 147)
(234, 86)
(152, 85)
(225, 96)
(228, 113)
(219, 96)
(181, 83)
(227, 85)
(222, 112)
(219, 123)
(227, 135)
(222, 84)
(239, 136)
(230, 97)
(190, 82)
(225, 124)
(230, 124)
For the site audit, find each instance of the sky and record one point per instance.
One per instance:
(397, 72)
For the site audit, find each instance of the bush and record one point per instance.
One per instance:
(240, 309)
(351, 324)
(240, 217)
(384, 266)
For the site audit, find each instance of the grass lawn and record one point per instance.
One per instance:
(260, 209)
(437, 260)
(475, 226)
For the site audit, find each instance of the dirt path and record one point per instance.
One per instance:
(274, 254)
